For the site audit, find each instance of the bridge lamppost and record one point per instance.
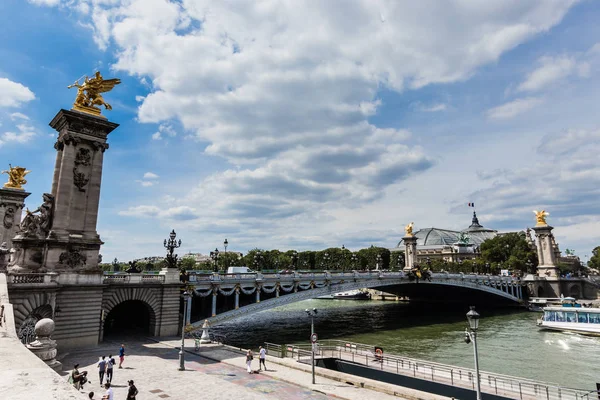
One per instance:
(312, 313)
(257, 260)
(185, 296)
(171, 245)
(295, 260)
(325, 260)
(214, 255)
(378, 262)
(354, 259)
(225, 243)
(471, 336)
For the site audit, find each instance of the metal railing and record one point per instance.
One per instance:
(503, 385)
(275, 350)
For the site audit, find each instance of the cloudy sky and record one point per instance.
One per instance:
(291, 124)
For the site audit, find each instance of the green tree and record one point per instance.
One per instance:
(595, 259)
(188, 263)
(369, 258)
(397, 260)
(511, 251)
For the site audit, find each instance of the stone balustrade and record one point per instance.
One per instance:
(133, 279)
(16, 279)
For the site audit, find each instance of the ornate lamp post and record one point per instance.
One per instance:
(225, 243)
(214, 255)
(354, 259)
(378, 262)
(295, 260)
(471, 336)
(116, 266)
(185, 296)
(312, 313)
(171, 245)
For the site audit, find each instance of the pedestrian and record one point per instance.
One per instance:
(262, 355)
(102, 369)
(132, 391)
(121, 355)
(110, 363)
(249, 359)
(109, 392)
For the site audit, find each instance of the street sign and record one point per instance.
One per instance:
(313, 338)
(315, 348)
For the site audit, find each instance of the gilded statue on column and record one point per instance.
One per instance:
(16, 177)
(409, 229)
(88, 93)
(540, 217)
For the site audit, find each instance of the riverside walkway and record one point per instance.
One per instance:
(219, 372)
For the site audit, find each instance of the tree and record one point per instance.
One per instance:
(595, 259)
(511, 251)
(188, 263)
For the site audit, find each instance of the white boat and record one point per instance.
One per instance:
(571, 317)
(349, 295)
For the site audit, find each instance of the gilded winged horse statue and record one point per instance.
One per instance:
(89, 93)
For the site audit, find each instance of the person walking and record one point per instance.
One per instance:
(110, 363)
(262, 355)
(102, 369)
(249, 359)
(121, 355)
(132, 391)
(109, 392)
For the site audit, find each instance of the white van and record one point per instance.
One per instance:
(240, 270)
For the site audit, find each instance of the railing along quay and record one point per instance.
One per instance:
(502, 385)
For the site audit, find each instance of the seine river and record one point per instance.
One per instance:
(509, 341)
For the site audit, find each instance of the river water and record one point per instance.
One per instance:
(509, 341)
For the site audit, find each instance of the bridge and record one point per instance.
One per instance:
(293, 287)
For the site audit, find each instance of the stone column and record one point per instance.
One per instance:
(547, 263)
(73, 243)
(410, 252)
(258, 294)
(12, 202)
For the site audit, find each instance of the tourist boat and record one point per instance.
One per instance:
(571, 317)
(349, 295)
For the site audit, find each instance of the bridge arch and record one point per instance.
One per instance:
(130, 308)
(507, 290)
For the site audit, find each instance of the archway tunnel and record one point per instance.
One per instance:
(131, 317)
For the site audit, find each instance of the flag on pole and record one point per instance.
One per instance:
(471, 204)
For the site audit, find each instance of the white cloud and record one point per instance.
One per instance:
(552, 69)
(150, 175)
(146, 183)
(18, 115)
(514, 108)
(164, 129)
(45, 2)
(432, 108)
(141, 211)
(24, 135)
(12, 94)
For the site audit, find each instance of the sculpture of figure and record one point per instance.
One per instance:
(463, 238)
(88, 93)
(16, 177)
(409, 229)
(39, 221)
(540, 217)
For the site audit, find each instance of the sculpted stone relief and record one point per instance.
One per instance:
(9, 217)
(39, 221)
(72, 258)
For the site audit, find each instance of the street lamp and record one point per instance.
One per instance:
(312, 313)
(257, 260)
(171, 245)
(325, 260)
(214, 255)
(295, 260)
(225, 243)
(378, 262)
(354, 259)
(185, 296)
(471, 336)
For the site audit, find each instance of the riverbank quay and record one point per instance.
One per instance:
(219, 372)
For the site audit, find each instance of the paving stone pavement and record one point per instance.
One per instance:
(154, 368)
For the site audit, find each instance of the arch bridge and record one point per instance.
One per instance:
(293, 287)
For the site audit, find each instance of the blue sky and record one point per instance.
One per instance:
(309, 125)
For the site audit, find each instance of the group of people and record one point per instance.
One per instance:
(262, 355)
(105, 369)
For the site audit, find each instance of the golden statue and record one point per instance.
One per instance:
(88, 93)
(409, 229)
(16, 177)
(540, 217)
